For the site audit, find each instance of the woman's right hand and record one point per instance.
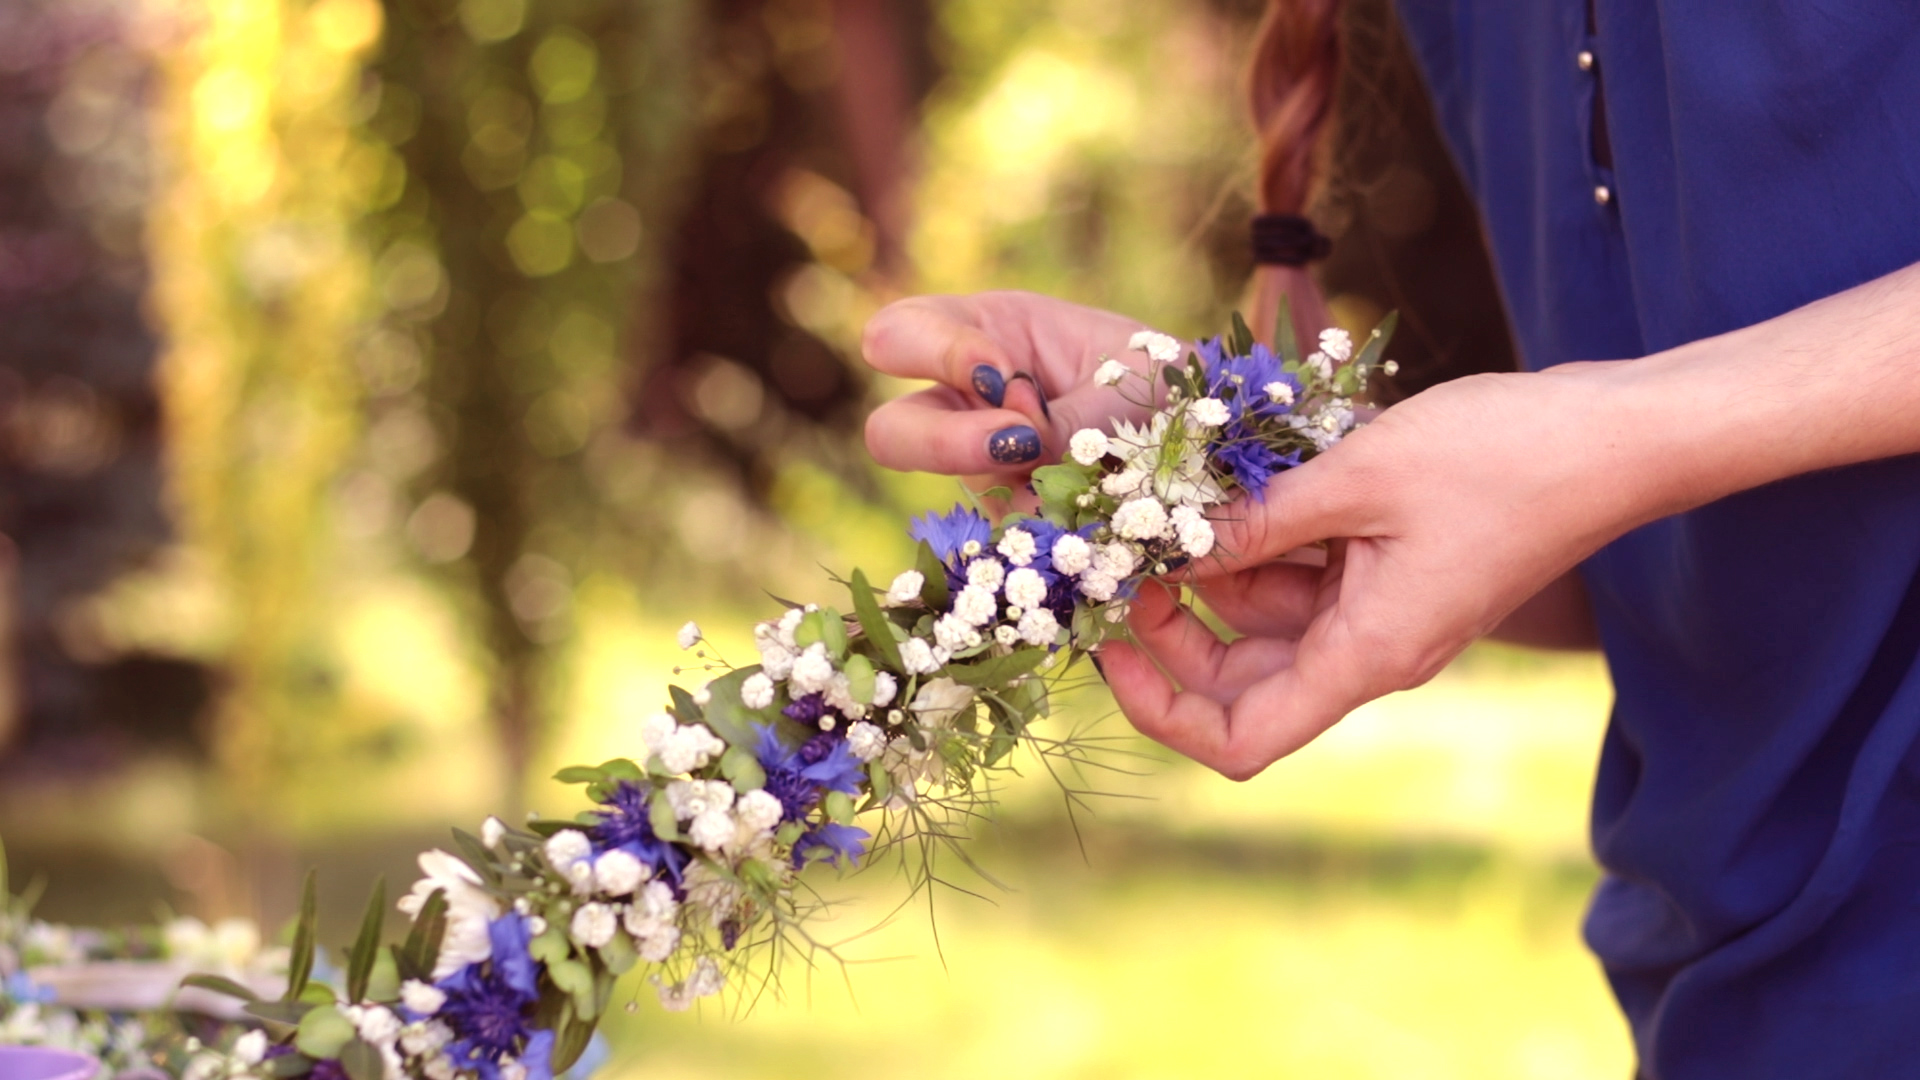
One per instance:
(981, 418)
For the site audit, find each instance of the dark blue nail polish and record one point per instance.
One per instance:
(1015, 445)
(990, 385)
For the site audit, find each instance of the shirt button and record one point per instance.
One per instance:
(1585, 60)
(1603, 194)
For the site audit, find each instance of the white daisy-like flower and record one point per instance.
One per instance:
(1209, 412)
(593, 925)
(1026, 588)
(492, 831)
(1159, 346)
(976, 606)
(1018, 546)
(617, 873)
(906, 587)
(757, 811)
(1005, 634)
(812, 671)
(1279, 393)
(1115, 560)
(954, 634)
(884, 687)
(470, 910)
(986, 574)
(422, 998)
(1140, 519)
(865, 741)
(1087, 446)
(1098, 586)
(757, 691)
(1071, 554)
(917, 657)
(1039, 627)
(689, 635)
(1111, 373)
(1336, 343)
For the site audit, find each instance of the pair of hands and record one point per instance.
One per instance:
(1444, 516)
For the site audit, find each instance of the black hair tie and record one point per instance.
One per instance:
(1288, 240)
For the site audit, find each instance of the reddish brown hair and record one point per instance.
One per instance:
(1291, 83)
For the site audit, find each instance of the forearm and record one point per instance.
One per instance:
(1833, 383)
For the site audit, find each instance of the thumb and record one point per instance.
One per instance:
(1325, 499)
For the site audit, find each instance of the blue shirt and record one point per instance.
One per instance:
(1757, 811)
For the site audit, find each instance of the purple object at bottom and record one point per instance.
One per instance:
(42, 1063)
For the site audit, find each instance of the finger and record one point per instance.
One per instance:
(1330, 677)
(936, 430)
(1185, 723)
(1188, 650)
(1273, 600)
(1324, 499)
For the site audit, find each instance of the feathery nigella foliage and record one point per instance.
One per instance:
(859, 731)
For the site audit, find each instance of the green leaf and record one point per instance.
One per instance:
(789, 832)
(367, 946)
(579, 774)
(281, 1012)
(422, 948)
(740, 765)
(666, 825)
(880, 781)
(383, 983)
(1060, 487)
(576, 979)
(859, 671)
(839, 807)
(623, 769)
(288, 1066)
(1241, 340)
(550, 946)
(1176, 380)
(874, 623)
(997, 671)
(1377, 341)
(362, 1061)
(570, 1039)
(1285, 338)
(220, 984)
(726, 714)
(476, 856)
(300, 963)
(684, 707)
(619, 954)
(933, 592)
(323, 1033)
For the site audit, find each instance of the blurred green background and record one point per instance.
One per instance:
(382, 382)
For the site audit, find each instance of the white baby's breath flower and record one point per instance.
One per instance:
(1390, 368)
(691, 798)
(617, 873)
(711, 830)
(703, 694)
(1126, 483)
(812, 671)
(1071, 554)
(1115, 560)
(757, 691)
(789, 622)
(1005, 635)
(954, 634)
(1018, 546)
(970, 548)
(1026, 588)
(705, 981)
(1156, 345)
(1039, 627)
(1336, 343)
(1111, 373)
(986, 573)
(689, 635)
(1320, 364)
(1279, 393)
(566, 847)
(492, 831)
(1194, 533)
(657, 946)
(593, 925)
(690, 748)
(906, 587)
(839, 697)
(251, 1048)
(655, 730)
(917, 657)
(975, 606)
(777, 660)
(758, 811)
(1209, 412)
(884, 687)
(1140, 519)
(865, 741)
(939, 701)
(1098, 586)
(1087, 446)
(422, 998)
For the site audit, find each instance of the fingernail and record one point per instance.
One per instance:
(1015, 445)
(988, 383)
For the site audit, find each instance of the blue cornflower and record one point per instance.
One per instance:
(831, 840)
(21, 989)
(949, 534)
(1249, 376)
(800, 778)
(627, 824)
(490, 1008)
(1251, 461)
